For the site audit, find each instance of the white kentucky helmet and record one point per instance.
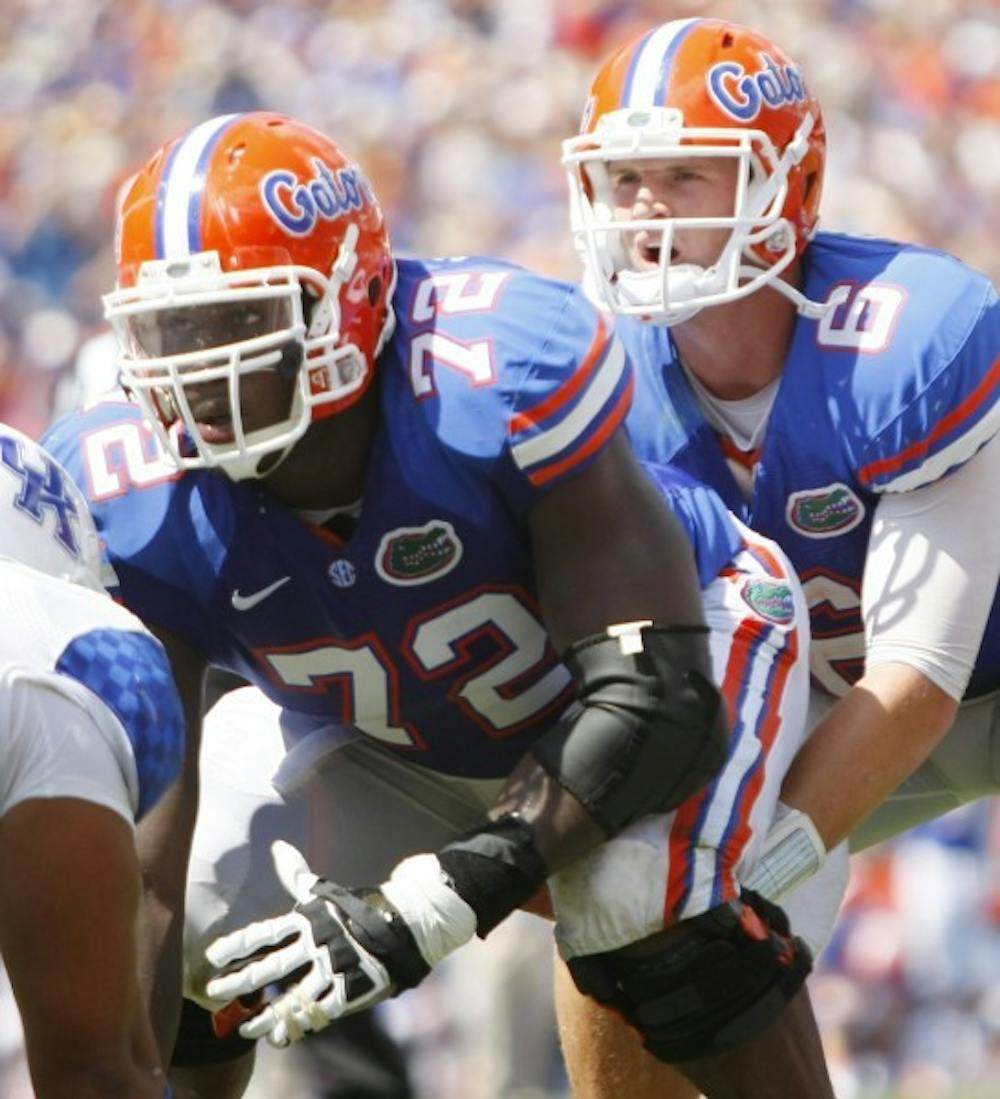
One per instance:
(44, 519)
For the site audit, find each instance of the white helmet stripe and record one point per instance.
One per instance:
(652, 63)
(178, 229)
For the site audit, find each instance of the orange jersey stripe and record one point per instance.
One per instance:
(522, 421)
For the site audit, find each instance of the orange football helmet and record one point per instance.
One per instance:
(698, 88)
(251, 244)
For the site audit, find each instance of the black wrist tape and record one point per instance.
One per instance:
(494, 869)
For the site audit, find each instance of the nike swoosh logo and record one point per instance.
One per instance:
(248, 602)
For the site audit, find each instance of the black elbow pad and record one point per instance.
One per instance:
(650, 730)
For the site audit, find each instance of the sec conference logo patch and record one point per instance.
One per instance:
(415, 555)
(342, 573)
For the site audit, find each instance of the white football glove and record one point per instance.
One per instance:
(358, 946)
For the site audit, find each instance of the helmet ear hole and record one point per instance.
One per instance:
(374, 290)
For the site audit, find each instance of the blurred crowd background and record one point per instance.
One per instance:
(456, 108)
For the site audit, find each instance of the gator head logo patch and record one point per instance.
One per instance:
(824, 512)
(771, 600)
(414, 555)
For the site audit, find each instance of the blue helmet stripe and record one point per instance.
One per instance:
(161, 201)
(667, 64)
(646, 82)
(633, 65)
(178, 204)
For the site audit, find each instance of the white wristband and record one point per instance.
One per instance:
(436, 915)
(793, 851)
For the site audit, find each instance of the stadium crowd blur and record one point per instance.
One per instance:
(456, 109)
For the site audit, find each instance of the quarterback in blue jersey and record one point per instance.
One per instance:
(90, 737)
(483, 642)
(840, 393)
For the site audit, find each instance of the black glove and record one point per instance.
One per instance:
(354, 944)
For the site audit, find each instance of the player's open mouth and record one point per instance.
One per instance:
(650, 253)
(214, 420)
(647, 246)
(218, 431)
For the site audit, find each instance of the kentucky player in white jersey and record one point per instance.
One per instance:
(840, 393)
(91, 735)
(395, 497)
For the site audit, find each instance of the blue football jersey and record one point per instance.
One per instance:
(892, 389)
(423, 628)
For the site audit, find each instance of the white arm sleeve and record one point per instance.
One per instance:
(932, 571)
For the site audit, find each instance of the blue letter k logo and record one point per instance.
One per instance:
(42, 489)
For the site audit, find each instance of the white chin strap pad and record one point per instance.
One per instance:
(681, 297)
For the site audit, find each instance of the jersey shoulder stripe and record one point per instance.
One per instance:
(581, 377)
(573, 421)
(925, 459)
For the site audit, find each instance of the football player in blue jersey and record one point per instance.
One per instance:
(90, 737)
(839, 392)
(395, 497)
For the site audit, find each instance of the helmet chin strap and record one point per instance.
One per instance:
(681, 283)
(271, 461)
(803, 305)
(676, 293)
(248, 467)
(237, 467)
